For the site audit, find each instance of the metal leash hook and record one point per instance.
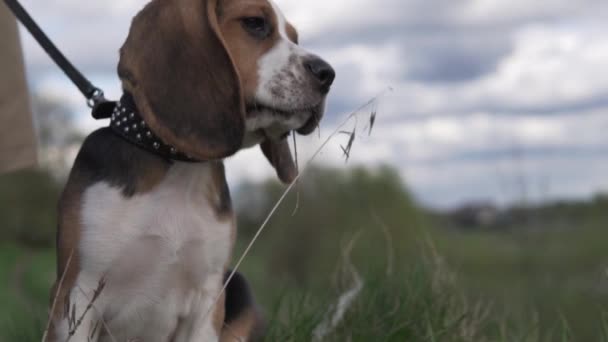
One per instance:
(101, 108)
(95, 96)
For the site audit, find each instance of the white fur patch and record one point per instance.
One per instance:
(283, 83)
(162, 255)
(277, 59)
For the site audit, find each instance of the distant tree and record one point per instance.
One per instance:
(305, 238)
(58, 136)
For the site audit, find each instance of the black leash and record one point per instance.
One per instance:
(125, 120)
(95, 97)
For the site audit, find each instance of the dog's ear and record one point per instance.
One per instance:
(280, 157)
(182, 77)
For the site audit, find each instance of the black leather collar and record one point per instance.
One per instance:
(129, 125)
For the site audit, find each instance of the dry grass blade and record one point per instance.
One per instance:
(54, 305)
(94, 331)
(107, 329)
(96, 293)
(347, 298)
(286, 192)
(372, 121)
(295, 151)
(347, 150)
(91, 306)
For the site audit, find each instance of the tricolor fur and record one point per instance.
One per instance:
(143, 242)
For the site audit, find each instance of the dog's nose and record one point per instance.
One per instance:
(322, 72)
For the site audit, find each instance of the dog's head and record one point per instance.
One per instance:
(213, 76)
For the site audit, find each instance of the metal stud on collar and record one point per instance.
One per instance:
(126, 122)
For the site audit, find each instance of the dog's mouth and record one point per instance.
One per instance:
(276, 123)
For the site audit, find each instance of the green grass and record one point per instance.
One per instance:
(418, 303)
(456, 298)
(25, 279)
(543, 282)
(549, 277)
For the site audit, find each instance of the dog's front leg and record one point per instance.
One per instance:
(81, 319)
(206, 318)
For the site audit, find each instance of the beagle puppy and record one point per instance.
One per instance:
(146, 227)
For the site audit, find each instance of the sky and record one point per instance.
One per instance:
(492, 100)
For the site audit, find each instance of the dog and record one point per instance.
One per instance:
(146, 227)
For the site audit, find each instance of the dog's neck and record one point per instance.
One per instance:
(128, 124)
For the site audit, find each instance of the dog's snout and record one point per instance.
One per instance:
(322, 72)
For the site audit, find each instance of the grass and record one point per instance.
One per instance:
(535, 284)
(425, 300)
(550, 278)
(25, 279)
(418, 303)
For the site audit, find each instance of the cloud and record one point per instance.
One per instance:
(485, 91)
(89, 33)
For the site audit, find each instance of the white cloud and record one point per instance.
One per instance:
(550, 66)
(479, 86)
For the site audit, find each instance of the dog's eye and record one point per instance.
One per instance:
(256, 26)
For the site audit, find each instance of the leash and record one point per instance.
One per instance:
(102, 108)
(125, 119)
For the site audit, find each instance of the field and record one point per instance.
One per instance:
(403, 273)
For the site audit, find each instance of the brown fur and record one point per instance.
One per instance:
(220, 197)
(279, 155)
(292, 33)
(149, 180)
(68, 265)
(219, 314)
(191, 68)
(246, 50)
(242, 329)
(182, 78)
(125, 166)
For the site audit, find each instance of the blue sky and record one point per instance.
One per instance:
(493, 99)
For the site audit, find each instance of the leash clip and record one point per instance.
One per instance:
(97, 97)
(101, 107)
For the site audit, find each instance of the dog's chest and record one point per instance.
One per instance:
(158, 251)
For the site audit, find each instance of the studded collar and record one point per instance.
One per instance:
(128, 124)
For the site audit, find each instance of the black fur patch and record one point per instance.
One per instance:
(238, 297)
(104, 156)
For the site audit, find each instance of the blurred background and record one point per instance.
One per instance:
(477, 210)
